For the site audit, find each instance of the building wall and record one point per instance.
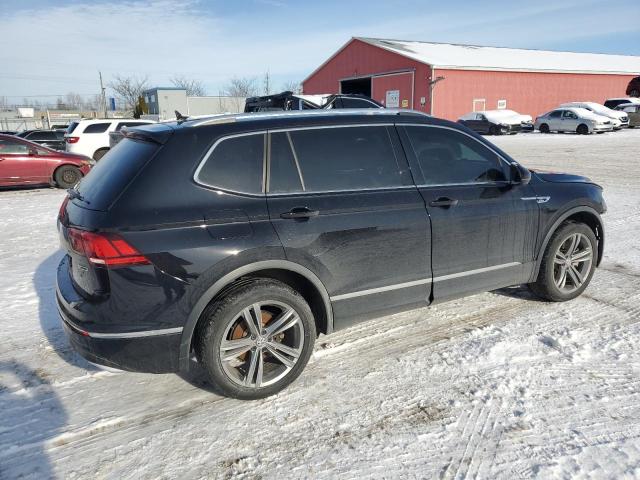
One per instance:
(171, 100)
(360, 59)
(525, 92)
(215, 104)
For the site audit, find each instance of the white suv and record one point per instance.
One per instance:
(91, 137)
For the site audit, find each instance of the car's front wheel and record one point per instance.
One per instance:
(544, 128)
(582, 129)
(257, 339)
(568, 263)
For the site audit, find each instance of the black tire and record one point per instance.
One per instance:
(545, 286)
(101, 152)
(493, 130)
(223, 312)
(67, 176)
(544, 128)
(582, 129)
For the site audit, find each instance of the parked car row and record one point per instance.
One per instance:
(583, 118)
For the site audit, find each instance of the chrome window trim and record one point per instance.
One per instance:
(318, 127)
(355, 190)
(424, 281)
(211, 150)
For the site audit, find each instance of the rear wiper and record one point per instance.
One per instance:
(74, 194)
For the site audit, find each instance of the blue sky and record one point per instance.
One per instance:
(58, 47)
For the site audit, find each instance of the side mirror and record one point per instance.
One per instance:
(519, 174)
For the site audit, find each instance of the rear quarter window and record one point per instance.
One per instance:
(113, 172)
(235, 164)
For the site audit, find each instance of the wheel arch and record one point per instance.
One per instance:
(296, 276)
(583, 214)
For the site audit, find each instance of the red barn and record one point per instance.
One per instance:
(450, 80)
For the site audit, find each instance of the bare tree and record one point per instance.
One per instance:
(292, 86)
(194, 88)
(73, 100)
(129, 89)
(241, 87)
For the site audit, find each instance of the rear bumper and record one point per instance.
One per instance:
(151, 351)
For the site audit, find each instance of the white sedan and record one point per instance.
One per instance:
(618, 119)
(572, 119)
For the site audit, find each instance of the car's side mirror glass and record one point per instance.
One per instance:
(519, 174)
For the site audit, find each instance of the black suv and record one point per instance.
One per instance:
(237, 239)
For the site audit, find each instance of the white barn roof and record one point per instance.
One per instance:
(473, 57)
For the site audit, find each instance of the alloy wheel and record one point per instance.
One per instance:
(572, 263)
(261, 344)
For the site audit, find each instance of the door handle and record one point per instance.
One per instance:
(300, 212)
(444, 202)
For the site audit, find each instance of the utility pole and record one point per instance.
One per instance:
(103, 95)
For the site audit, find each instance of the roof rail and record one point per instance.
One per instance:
(240, 117)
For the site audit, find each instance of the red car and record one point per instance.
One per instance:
(26, 163)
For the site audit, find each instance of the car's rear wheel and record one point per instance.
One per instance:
(544, 128)
(101, 152)
(67, 176)
(568, 263)
(257, 339)
(582, 129)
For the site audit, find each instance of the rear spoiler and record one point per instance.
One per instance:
(157, 132)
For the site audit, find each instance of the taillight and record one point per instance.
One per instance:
(106, 249)
(72, 139)
(63, 209)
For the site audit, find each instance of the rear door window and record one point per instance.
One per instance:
(112, 173)
(334, 159)
(235, 164)
(97, 127)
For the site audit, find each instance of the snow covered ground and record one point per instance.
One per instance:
(498, 385)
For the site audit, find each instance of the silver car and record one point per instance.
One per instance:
(570, 119)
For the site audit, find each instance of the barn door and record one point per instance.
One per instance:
(393, 90)
(479, 104)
